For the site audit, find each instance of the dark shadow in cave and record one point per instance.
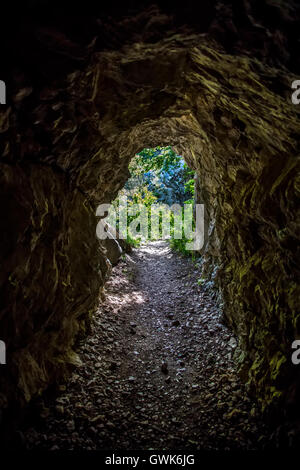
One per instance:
(85, 92)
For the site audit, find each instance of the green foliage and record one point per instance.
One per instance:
(158, 175)
(190, 185)
(164, 173)
(158, 158)
(135, 242)
(180, 244)
(143, 196)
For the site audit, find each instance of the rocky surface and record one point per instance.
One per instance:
(157, 369)
(85, 93)
(111, 244)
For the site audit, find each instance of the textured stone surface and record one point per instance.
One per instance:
(112, 245)
(83, 100)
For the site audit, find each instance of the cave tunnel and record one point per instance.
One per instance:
(87, 87)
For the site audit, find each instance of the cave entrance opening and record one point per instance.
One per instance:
(158, 198)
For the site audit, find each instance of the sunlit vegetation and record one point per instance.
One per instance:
(158, 176)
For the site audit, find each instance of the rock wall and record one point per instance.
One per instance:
(85, 93)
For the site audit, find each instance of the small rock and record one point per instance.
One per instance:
(232, 414)
(60, 409)
(71, 426)
(232, 342)
(55, 447)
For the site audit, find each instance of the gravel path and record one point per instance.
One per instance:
(157, 370)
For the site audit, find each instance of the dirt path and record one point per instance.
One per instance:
(157, 370)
